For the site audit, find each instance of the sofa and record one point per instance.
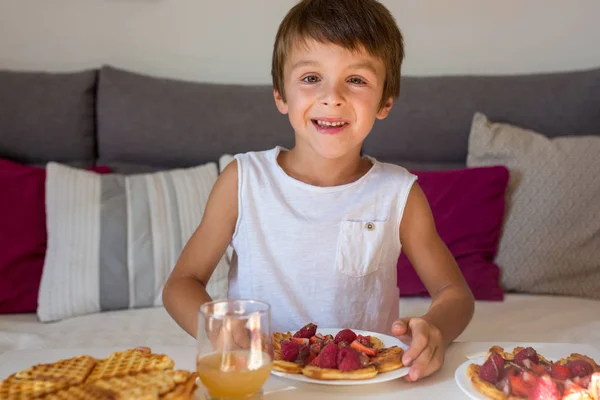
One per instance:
(501, 158)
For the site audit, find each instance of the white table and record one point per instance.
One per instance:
(440, 386)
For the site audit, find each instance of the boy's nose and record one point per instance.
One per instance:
(332, 96)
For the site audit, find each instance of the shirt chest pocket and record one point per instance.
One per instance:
(360, 246)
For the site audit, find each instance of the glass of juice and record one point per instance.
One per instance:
(234, 348)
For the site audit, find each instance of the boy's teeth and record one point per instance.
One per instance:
(326, 123)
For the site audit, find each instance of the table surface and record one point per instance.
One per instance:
(440, 385)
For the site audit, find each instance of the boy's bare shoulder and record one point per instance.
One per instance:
(223, 197)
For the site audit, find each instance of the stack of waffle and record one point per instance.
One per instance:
(132, 374)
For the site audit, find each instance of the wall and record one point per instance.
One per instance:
(230, 40)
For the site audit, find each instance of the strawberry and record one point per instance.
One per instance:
(528, 377)
(583, 380)
(560, 372)
(306, 332)
(518, 386)
(572, 388)
(328, 356)
(527, 353)
(301, 341)
(538, 369)
(289, 350)
(315, 348)
(580, 368)
(364, 340)
(356, 345)
(345, 335)
(492, 368)
(348, 359)
(545, 389)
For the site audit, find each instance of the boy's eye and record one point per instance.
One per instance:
(356, 81)
(311, 79)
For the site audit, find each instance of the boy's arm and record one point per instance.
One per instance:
(185, 290)
(452, 302)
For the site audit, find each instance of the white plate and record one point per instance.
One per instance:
(551, 352)
(463, 381)
(383, 377)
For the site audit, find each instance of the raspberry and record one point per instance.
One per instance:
(545, 389)
(580, 368)
(289, 350)
(489, 372)
(345, 335)
(306, 332)
(492, 368)
(560, 372)
(528, 353)
(348, 359)
(328, 356)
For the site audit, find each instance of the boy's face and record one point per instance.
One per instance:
(333, 96)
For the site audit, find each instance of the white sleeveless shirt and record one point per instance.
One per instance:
(325, 255)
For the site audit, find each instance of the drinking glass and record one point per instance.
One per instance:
(234, 348)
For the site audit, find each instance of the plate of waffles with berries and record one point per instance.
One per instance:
(337, 356)
(525, 373)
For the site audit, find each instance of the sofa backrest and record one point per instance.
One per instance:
(48, 116)
(135, 122)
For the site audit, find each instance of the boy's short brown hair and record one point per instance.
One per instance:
(351, 24)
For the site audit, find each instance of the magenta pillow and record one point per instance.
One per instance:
(468, 207)
(22, 235)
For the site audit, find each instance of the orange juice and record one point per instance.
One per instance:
(232, 375)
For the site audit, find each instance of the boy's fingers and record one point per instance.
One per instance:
(400, 327)
(420, 366)
(417, 345)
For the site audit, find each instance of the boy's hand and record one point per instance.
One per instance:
(427, 349)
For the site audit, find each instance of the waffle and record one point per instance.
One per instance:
(72, 370)
(129, 362)
(135, 374)
(15, 389)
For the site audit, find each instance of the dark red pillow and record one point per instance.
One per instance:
(22, 234)
(468, 207)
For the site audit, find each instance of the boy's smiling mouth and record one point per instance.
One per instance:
(329, 126)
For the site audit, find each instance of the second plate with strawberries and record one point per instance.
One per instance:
(387, 340)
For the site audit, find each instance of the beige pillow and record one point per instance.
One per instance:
(551, 238)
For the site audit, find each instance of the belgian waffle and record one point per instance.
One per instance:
(136, 374)
(129, 362)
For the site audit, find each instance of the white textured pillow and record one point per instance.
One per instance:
(551, 237)
(113, 239)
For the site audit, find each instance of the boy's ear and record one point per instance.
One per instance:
(385, 110)
(280, 102)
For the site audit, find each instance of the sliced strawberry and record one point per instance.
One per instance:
(572, 388)
(538, 369)
(356, 345)
(545, 389)
(315, 348)
(303, 341)
(528, 377)
(518, 386)
(594, 385)
(313, 339)
(560, 372)
(306, 331)
(364, 340)
(527, 353)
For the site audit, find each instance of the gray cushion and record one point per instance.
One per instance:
(47, 117)
(432, 118)
(551, 238)
(167, 123)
